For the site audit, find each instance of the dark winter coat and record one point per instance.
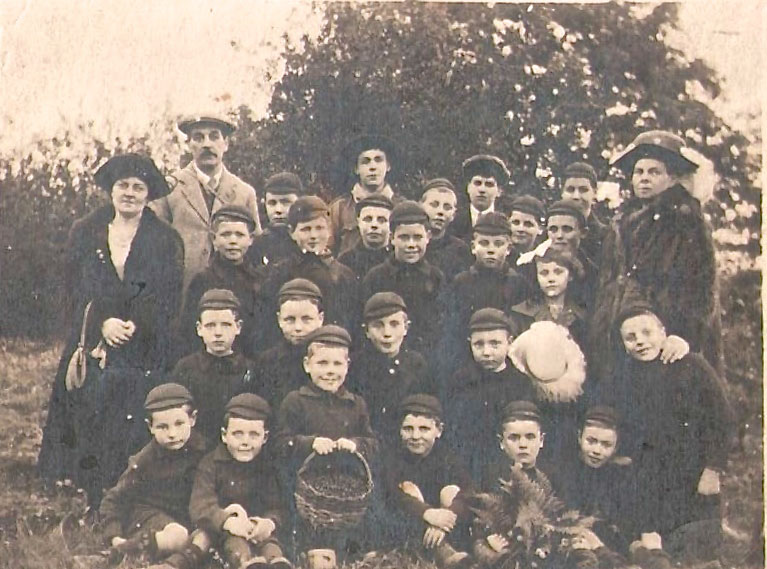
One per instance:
(273, 245)
(310, 412)
(222, 481)
(213, 381)
(280, 370)
(90, 432)
(243, 281)
(156, 478)
(498, 469)
(659, 250)
(572, 317)
(383, 382)
(360, 260)
(450, 255)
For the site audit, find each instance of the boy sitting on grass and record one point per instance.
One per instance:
(236, 501)
(230, 268)
(217, 372)
(280, 369)
(425, 484)
(384, 371)
(146, 511)
(373, 213)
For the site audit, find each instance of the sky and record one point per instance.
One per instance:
(123, 63)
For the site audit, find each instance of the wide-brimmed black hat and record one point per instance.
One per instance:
(659, 144)
(186, 124)
(132, 166)
(370, 141)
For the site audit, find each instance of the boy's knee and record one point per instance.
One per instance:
(173, 537)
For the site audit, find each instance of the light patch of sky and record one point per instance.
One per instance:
(119, 65)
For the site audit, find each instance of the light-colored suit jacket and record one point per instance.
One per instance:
(185, 209)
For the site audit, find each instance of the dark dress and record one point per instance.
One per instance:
(90, 432)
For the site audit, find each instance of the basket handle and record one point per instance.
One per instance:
(359, 456)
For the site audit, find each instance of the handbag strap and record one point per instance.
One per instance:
(85, 324)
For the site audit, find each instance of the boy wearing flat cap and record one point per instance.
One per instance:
(217, 372)
(230, 268)
(281, 190)
(384, 370)
(202, 188)
(484, 177)
(659, 250)
(369, 158)
(425, 484)
(309, 225)
(478, 392)
(146, 511)
(448, 253)
(373, 213)
(579, 185)
(280, 369)
(407, 273)
(236, 501)
(323, 416)
(678, 428)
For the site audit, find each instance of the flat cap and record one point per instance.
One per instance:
(374, 200)
(567, 207)
(438, 183)
(521, 410)
(218, 299)
(486, 319)
(486, 165)
(406, 213)
(166, 396)
(383, 304)
(529, 205)
(659, 144)
(186, 124)
(132, 165)
(284, 183)
(493, 223)
(421, 404)
(330, 334)
(249, 406)
(634, 307)
(602, 414)
(307, 208)
(580, 170)
(299, 289)
(233, 212)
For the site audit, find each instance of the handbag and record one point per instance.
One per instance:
(77, 367)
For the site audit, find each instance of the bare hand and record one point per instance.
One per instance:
(346, 444)
(117, 540)
(441, 518)
(323, 445)
(651, 540)
(262, 529)
(117, 332)
(432, 537)
(587, 540)
(709, 483)
(674, 348)
(497, 542)
(239, 526)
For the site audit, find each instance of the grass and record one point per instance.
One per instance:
(30, 514)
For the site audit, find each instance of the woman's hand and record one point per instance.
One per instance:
(709, 483)
(117, 332)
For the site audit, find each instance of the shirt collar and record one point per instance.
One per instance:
(313, 391)
(475, 213)
(205, 178)
(358, 192)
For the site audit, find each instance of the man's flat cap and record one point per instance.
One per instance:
(383, 304)
(284, 183)
(166, 396)
(521, 411)
(493, 223)
(406, 213)
(249, 406)
(421, 404)
(567, 207)
(529, 205)
(233, 212)
(299, 289)
(218, 299)
(438, 183)
(602, 414)
(307, 208)
(214, 120)
(330, 334)
(486, 319)
(374, 200)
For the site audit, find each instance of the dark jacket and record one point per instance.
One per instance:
(572, 317)
(222, 481)
(385, 381)
(213, 381)
(360, 259)
(242, 280)
(149, 295)
(421, 286)
(310, 412)
(273, 245)
(661, 251)
(343, 220)
(280, 370)
(450, 255)
(474, 400)
(157, 478)
(677, 421)
(498, 469)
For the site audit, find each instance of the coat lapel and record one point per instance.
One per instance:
(190, 188)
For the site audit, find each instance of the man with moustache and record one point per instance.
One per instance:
(201, 188)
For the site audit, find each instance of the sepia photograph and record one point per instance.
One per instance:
(401, 284)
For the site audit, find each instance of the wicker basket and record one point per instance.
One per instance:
(330, 504)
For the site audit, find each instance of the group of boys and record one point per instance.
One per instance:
(423, 336)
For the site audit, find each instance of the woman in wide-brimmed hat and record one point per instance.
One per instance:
(659, 249)
(124, 268)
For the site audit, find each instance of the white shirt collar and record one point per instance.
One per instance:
(205, 178)
(358, 192)
(475, 213)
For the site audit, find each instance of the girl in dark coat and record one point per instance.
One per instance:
(658, 250)
(128, 265)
